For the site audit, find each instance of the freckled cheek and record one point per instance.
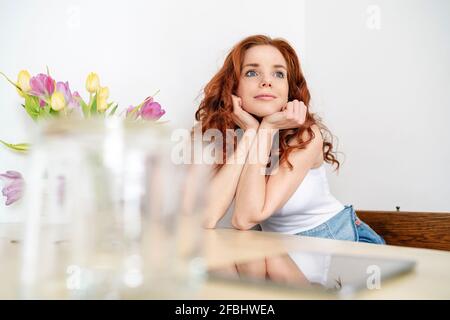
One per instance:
(245, 92)
(284, 96)
(249, 104)
(243, 89)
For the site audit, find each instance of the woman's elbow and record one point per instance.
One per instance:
(209, 224)
(241, 224)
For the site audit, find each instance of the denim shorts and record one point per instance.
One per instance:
(345, 226)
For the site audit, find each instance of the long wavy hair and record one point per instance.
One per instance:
(216, 109)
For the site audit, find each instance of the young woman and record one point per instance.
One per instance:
(261, 90)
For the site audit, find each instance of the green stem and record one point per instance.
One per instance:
(10, 81)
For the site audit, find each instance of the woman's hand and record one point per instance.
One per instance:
(293, 115)
(241, 117)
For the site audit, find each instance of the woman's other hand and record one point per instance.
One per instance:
(293, 115)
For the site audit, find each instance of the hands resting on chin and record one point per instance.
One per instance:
(292, 115)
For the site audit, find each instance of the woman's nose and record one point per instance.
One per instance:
(265, 83)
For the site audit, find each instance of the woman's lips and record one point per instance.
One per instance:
(265, 97)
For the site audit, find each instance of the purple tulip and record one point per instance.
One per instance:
(76, 98)
(14, 185)
(152, 110)
(71, 99)
(63, 87)
(42, 85)
(76, 95)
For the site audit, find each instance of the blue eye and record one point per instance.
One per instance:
(250, 73)
(279, 74)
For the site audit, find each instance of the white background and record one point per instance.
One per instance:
(378, 71)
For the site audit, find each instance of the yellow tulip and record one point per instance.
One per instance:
(92, 82)
(57, 101)
(102, 104)
(103, 93)
(23, 82)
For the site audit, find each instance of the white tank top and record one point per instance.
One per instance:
(309, 206)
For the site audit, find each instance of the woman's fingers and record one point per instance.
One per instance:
(295, 113)
(241, 117)
(237, 103)
(292, 115)
(296, 107)
(236, 110)
(303, 111)
(289, 110)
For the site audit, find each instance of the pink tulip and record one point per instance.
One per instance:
(14, 185)
(42, 85)
(152, 110)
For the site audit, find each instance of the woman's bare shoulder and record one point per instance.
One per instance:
(317, 139)
(315, 145)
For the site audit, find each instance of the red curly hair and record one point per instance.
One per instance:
(216, 109)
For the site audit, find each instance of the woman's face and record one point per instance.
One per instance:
(263, 86)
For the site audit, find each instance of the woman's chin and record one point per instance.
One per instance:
(263, 111)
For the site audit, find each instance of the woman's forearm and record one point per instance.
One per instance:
(223, 186)
(249, 205)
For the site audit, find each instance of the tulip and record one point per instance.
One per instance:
(92, 83)
(71, 99)
(102, 97)
(152, 110)
(57, 101)
(42, 85)
(23, 82)
(14, 185)
(102, 104)
(63, 87)
(132, 113)
(76, 98)
(103, 93)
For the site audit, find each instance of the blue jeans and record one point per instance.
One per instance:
(345, 226)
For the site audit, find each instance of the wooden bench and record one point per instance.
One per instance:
(429, 230)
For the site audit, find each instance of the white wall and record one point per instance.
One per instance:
(385, 94)
(382, 92)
